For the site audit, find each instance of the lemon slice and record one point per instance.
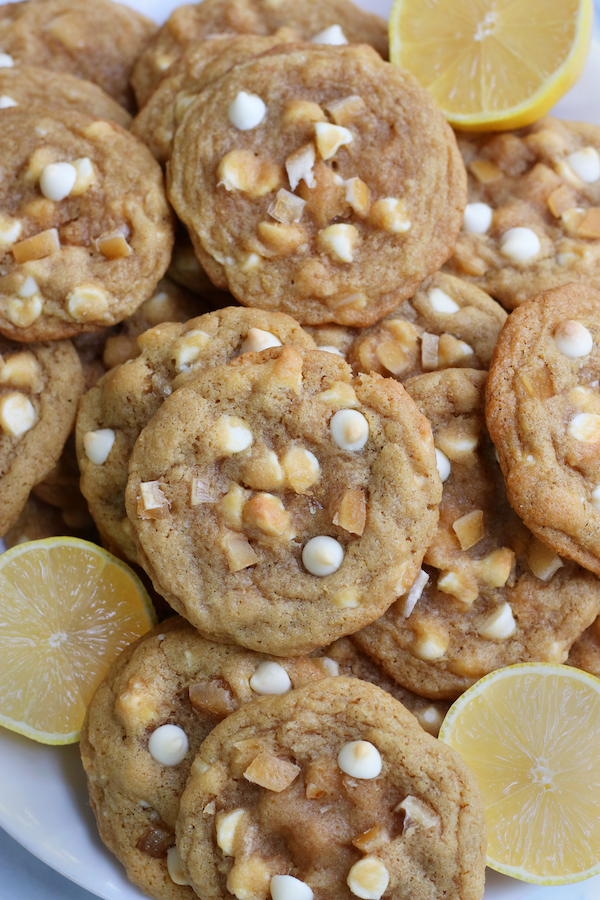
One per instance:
(492, 64)
(68, 608)
(530, 734)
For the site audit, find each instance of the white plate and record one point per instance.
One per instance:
(43, 797)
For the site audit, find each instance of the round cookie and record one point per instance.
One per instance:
(29, 86)
(98, 41)
(543, 413)
(448, 323)
(85, 228)
(188, 25)
(281, 789)
(278, 503)
(40, 387)
(125, 400)
(533, 219)
(343, 197)
(490, 594)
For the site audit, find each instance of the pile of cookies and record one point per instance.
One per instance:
(276, 304)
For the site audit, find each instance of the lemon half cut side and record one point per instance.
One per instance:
(67, 610)
(530, 734)
(492, 64)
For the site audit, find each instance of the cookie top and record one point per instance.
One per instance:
(99, 41)
(282, 480)
(216, 18)
(333, 787)
(171, 680)
(449, 323)
(32, 86)
(123, 402)
(85, 228)
(543, 413)
(490, 594)
(336, 192)
(533, 218)
(40, 387)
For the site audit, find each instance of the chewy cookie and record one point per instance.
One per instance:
(533, 218)
(279, 503)
(144, 726)
(320, 181)
(40, 387)
(85, 228)
(112, 415)
(449, 323)
(543, 413)
(490, 593)
(98, 41)
(332, 790)
(191, 24)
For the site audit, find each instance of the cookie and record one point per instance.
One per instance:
(112, 415)
(40, 386)
(98, 41)
(490, 594)
(344, 658)
(533, 218)
(333, 338)
(39, 520)
(333, 789)
(186, 271)
(543, 413)
(85, 228)
(170, 682)
(215, 18)
(585, 652)
(28, 86)
(449, 323)
(60, 489)
(278, 503)
(322, 182)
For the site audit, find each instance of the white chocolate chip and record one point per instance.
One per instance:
(233, 435)
(270, 678)
(7, 102)
(339, 241)
(322, 555)
(257, 340)
(519, 244)
(360, 759)
(332, 35)
(441, 302)
(585, 428)
(286, 887)
(98, 444)
(29, 287)
(168, 745)
(174, 867)
(349, 429)
(368, 878)
(499, 625)
(417, 813)
(443, 465)
(227, 825)
(572, 339)
(301, 469)
(586, 164)
(24, 313)
(477, 218)
(85, 176)
(299, 166)
(10, 231)
(247, 111)
(390, 214)
(57, 180)
(6, 61)
(17, 414)
(331, 666)
(330, 138)
(429, 648)
(414, 594)
(432, 716)
(87, 302)
(189, 347)
(326, 349)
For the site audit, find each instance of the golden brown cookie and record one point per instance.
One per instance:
(40, 387)
(331, 790)
(448, 323)
(543, 413)
(216, 18)
(170, 685)
(123, 402)
(533, 217)
(99, 41)
(321, 181)
(85, 228)
(279, 503)
(490, 594)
